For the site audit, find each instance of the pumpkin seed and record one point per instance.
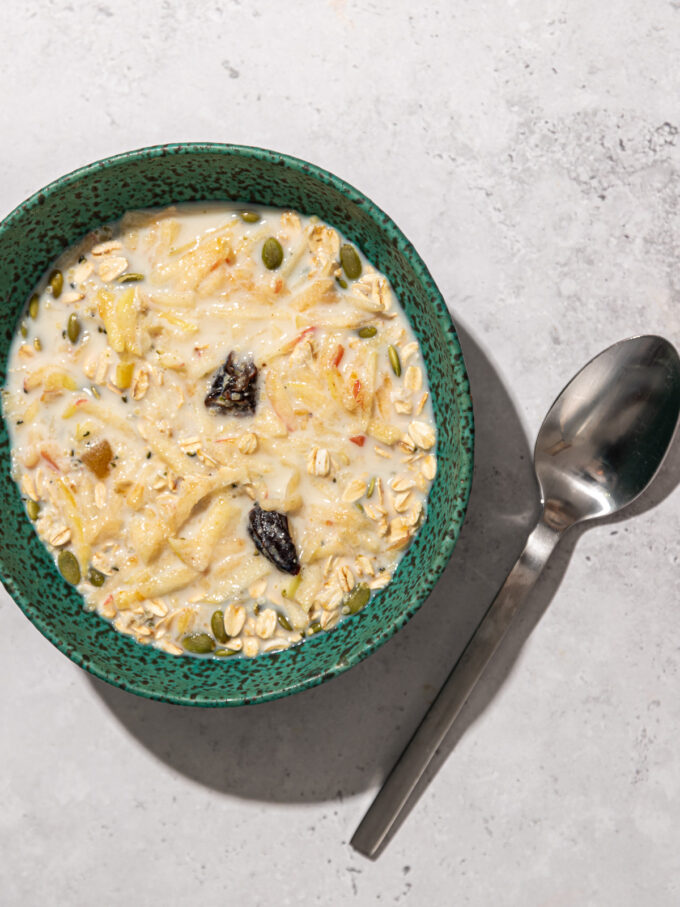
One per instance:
(24, 329)
(395, 361)
(350, 261)
(314, 627)
(73, 328)
(342, 282)
(69, 567)
(357, 598)
(132, 277)
(224, 653)
(34, 305)
(33, 509)
(37, 343)
(96, 577)
(272, 253)
(282, 619)
(369, 331)
(198, 643)
(249, 217)
(371, 488)
(56, 282)
(217, 626)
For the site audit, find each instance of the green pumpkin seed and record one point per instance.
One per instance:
(24, 329)
(357, 598)
(369, 331)
(56, 282)
(73, 328)
(37, 343)
(96, 577)
(33, 509)
(314, 627)
(283, 620)
(342, 282)
(225, 653)
(69, 567)
(95, 392)
(34, 305)
(217, 626)
(395, 361)
(198, 643)
(272, 253)
(371, 488)
(132, 277)
(249, 217)
(350, 261)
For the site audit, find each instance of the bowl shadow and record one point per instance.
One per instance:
(341, 737)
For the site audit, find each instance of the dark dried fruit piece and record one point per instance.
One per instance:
(234, 387)
(269, 530)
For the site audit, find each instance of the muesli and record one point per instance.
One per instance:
(221, 426)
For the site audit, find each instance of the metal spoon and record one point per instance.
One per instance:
(599, 447)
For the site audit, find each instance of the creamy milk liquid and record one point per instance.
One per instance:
(341, 440)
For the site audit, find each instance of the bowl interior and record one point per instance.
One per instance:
(55, 218)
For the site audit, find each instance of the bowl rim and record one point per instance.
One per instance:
(444, 549)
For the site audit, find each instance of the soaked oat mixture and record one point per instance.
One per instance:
(221, 426)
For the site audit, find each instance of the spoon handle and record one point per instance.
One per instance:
(390, 801)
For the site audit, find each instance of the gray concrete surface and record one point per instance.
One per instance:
(530, 150)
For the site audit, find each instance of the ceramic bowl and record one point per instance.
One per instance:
(38, 230)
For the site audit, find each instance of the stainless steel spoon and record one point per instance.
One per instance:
(599, 447)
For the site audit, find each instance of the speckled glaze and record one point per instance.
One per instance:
(42, 227)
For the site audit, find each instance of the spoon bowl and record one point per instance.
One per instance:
(606, 434)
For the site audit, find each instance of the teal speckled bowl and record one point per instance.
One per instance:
(41, 228)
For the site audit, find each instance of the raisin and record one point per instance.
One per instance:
(97, 458)
(234, 387)
(269, 530)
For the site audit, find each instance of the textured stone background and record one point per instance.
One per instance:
(530, 150)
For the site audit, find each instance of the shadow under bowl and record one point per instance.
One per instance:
(38, 230)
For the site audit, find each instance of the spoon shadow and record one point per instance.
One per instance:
(533, 608)
(344, 736)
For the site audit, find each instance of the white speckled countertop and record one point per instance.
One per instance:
(530, 150)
